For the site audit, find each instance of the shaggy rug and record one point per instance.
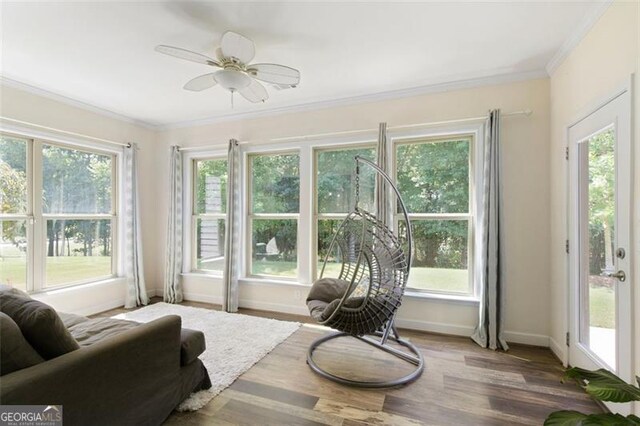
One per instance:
(234, 342)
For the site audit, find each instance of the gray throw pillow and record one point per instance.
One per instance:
(39, 323)
(15, 352)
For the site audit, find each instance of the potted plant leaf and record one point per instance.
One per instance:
(602, 385)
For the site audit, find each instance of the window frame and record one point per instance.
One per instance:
(193, 213)
(36, 219)
(475, 135)
(316, 215)
(250, 215)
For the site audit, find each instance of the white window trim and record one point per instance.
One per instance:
(36, 219)
(189, 261)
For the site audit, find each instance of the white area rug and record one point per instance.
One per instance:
(234, 342)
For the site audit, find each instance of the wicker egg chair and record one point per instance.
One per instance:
(363, 300)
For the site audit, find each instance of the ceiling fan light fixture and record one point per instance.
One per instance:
(232, 80)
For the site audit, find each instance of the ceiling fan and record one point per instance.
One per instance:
(235, 73)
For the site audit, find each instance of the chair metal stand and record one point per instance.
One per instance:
(415, 358)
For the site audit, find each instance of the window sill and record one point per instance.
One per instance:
(466, 300)
(70, 287)
(202, 274)
(271, 281)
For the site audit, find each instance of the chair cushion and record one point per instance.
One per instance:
(325, 295)
(15, 352)
(39, 323)
(192, 344)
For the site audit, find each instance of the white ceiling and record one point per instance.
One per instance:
(101, 53)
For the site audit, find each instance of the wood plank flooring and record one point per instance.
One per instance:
(462, 385)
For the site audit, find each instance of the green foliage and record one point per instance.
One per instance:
(275, 183)
(73, 181)
(336, 180)
(604, 386)
(601, 175)
(575, 418)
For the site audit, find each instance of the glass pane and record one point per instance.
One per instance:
(433, 177)
(75, 181)
(327, 228)
(336, 177)
(77, 250)
(441, 255)
(210, 244)
(13, 175)
(13, 253)
(275, 183)
(274, 247)
(599, 324)
(211, 186)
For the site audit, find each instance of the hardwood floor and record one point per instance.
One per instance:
(462, 385)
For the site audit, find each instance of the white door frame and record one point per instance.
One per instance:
(619, 105)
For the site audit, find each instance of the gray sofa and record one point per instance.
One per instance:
(102, 371)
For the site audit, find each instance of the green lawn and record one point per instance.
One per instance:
(602, 307)
(59, 270)
(452, 280)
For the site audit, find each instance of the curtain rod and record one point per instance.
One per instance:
(66, 132)
(527, 112)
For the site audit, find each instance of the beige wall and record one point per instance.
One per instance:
(25, 106)
(600, 64)
(526, 189)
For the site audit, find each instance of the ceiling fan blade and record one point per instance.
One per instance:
(255, 92)
(274, 73)
(186, 54)
(200, 83)
(234, 45)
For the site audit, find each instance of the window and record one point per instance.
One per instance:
(14, 211)
(274, 205)
(68, 232)
(209, 213)
(434, 177)
(335, 195)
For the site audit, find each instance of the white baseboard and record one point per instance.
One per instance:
(527, 338)
(559, 350)
(434, 327)
(99, 308)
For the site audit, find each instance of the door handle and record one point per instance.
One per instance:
(620, 275)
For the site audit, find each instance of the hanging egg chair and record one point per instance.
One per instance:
(363, 299)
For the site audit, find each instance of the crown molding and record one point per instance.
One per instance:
(577, 35)
(353, 100)
(15, 84)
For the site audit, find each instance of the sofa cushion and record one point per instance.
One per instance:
(94, 330)
(192, 344)
(70, 320)
(39, 323)
(15, 352)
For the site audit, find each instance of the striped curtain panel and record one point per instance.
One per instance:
(173, 258)
(136, 289)
(382, 193)
(232, 234)
(489, 333)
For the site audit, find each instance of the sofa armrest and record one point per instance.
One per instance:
(98, 383)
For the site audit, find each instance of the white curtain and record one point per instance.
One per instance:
(173, 260)
(489, 333)
(382, 196)
(136, 289)
(232, 234)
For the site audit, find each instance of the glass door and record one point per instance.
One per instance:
(600, 240)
